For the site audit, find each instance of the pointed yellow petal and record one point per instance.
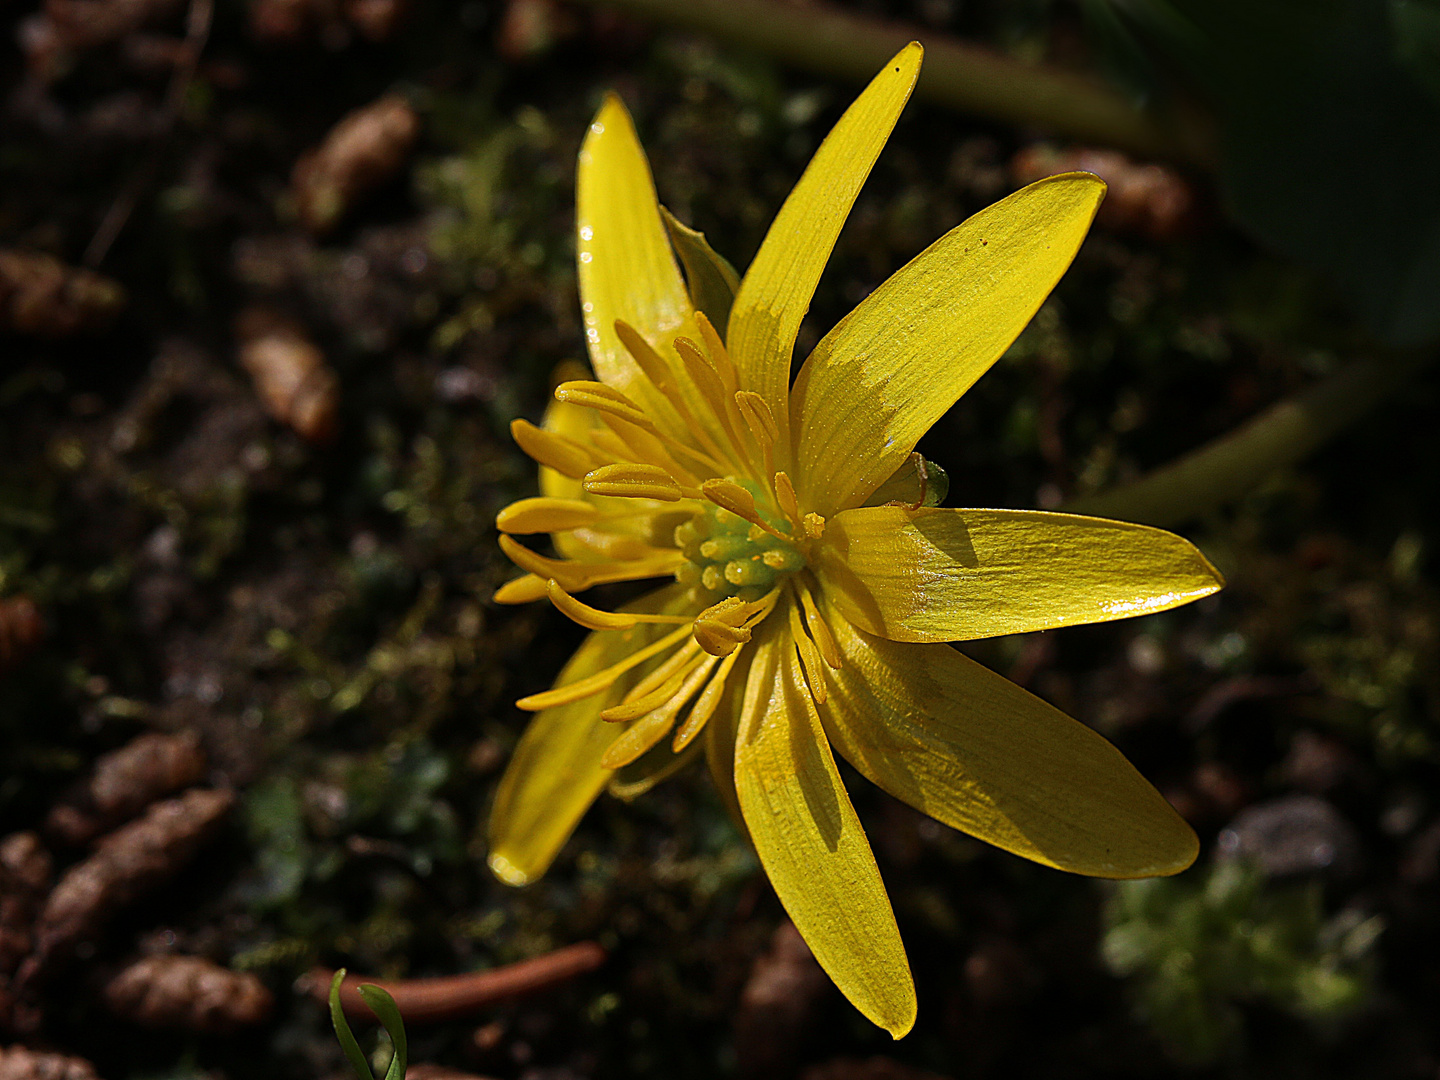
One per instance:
(776, 291)
(810, 841)
(555, 772)
(973, 750)
(895, 364)
(626, 267)
(939, 574)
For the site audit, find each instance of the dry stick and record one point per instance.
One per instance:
(427, 1001)
(197, 32)
(1237, 461)
(956, 74)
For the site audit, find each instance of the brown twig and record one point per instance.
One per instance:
(428, 1001)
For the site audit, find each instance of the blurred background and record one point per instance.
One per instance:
(275, 275)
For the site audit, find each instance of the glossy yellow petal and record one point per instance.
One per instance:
(777, 288)
(810, 841)
(973, 750)
(626, 267)
(555, 772)
(940, 574)
(895, 364)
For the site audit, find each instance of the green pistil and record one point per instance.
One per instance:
(730, 557)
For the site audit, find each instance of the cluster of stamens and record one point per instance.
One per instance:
(738, 542)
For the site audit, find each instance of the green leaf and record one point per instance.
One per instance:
(711, 279)
(343, 1032)
(383, 1006)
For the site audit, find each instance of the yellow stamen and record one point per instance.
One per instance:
(731, 496)
(676, 661)
(705, 705)
(758, 417)
(601, 680)
(603, 399)
(633, 481)
(608, 443)
(609, 545)
(717, 639)
(719, 355)
(720, 629)
(647, 359)
(520, 590)
(593, 618)
(761, 422)
(785, 496)
(546, 515)
(630, 710)
(820, 629)
(809, 657)
(649, 444)
(657, 370)
(814, 526)
(711, 387)
(650, 729)
(576, 576)
(559, 452)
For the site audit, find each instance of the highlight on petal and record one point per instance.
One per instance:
(810, 841)
(555, 773)
(973, 750)
(942, 574)
(627, 270)
(777, 288)
(895, 364)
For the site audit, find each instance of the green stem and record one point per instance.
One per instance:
(1232, 464)
(958, 75)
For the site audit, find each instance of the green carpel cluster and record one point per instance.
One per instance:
(728, 556)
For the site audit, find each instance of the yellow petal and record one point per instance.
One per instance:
(975, 751)
(895, 364)
(940, 574)
(626, 267)
(776, 290)
(810, 841)
(555, 772)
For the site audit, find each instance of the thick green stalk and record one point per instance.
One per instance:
(1232, 464)
(958, 75)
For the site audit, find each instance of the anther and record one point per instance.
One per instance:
(559, 452)
(633, 481)
(546, 515)
(605, 399)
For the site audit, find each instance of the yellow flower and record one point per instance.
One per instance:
(812, 591)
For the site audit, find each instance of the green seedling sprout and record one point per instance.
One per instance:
(383, 1006)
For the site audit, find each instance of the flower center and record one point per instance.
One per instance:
(728, 556)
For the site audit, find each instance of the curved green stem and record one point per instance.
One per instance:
(1232, 464)
(956, 74)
